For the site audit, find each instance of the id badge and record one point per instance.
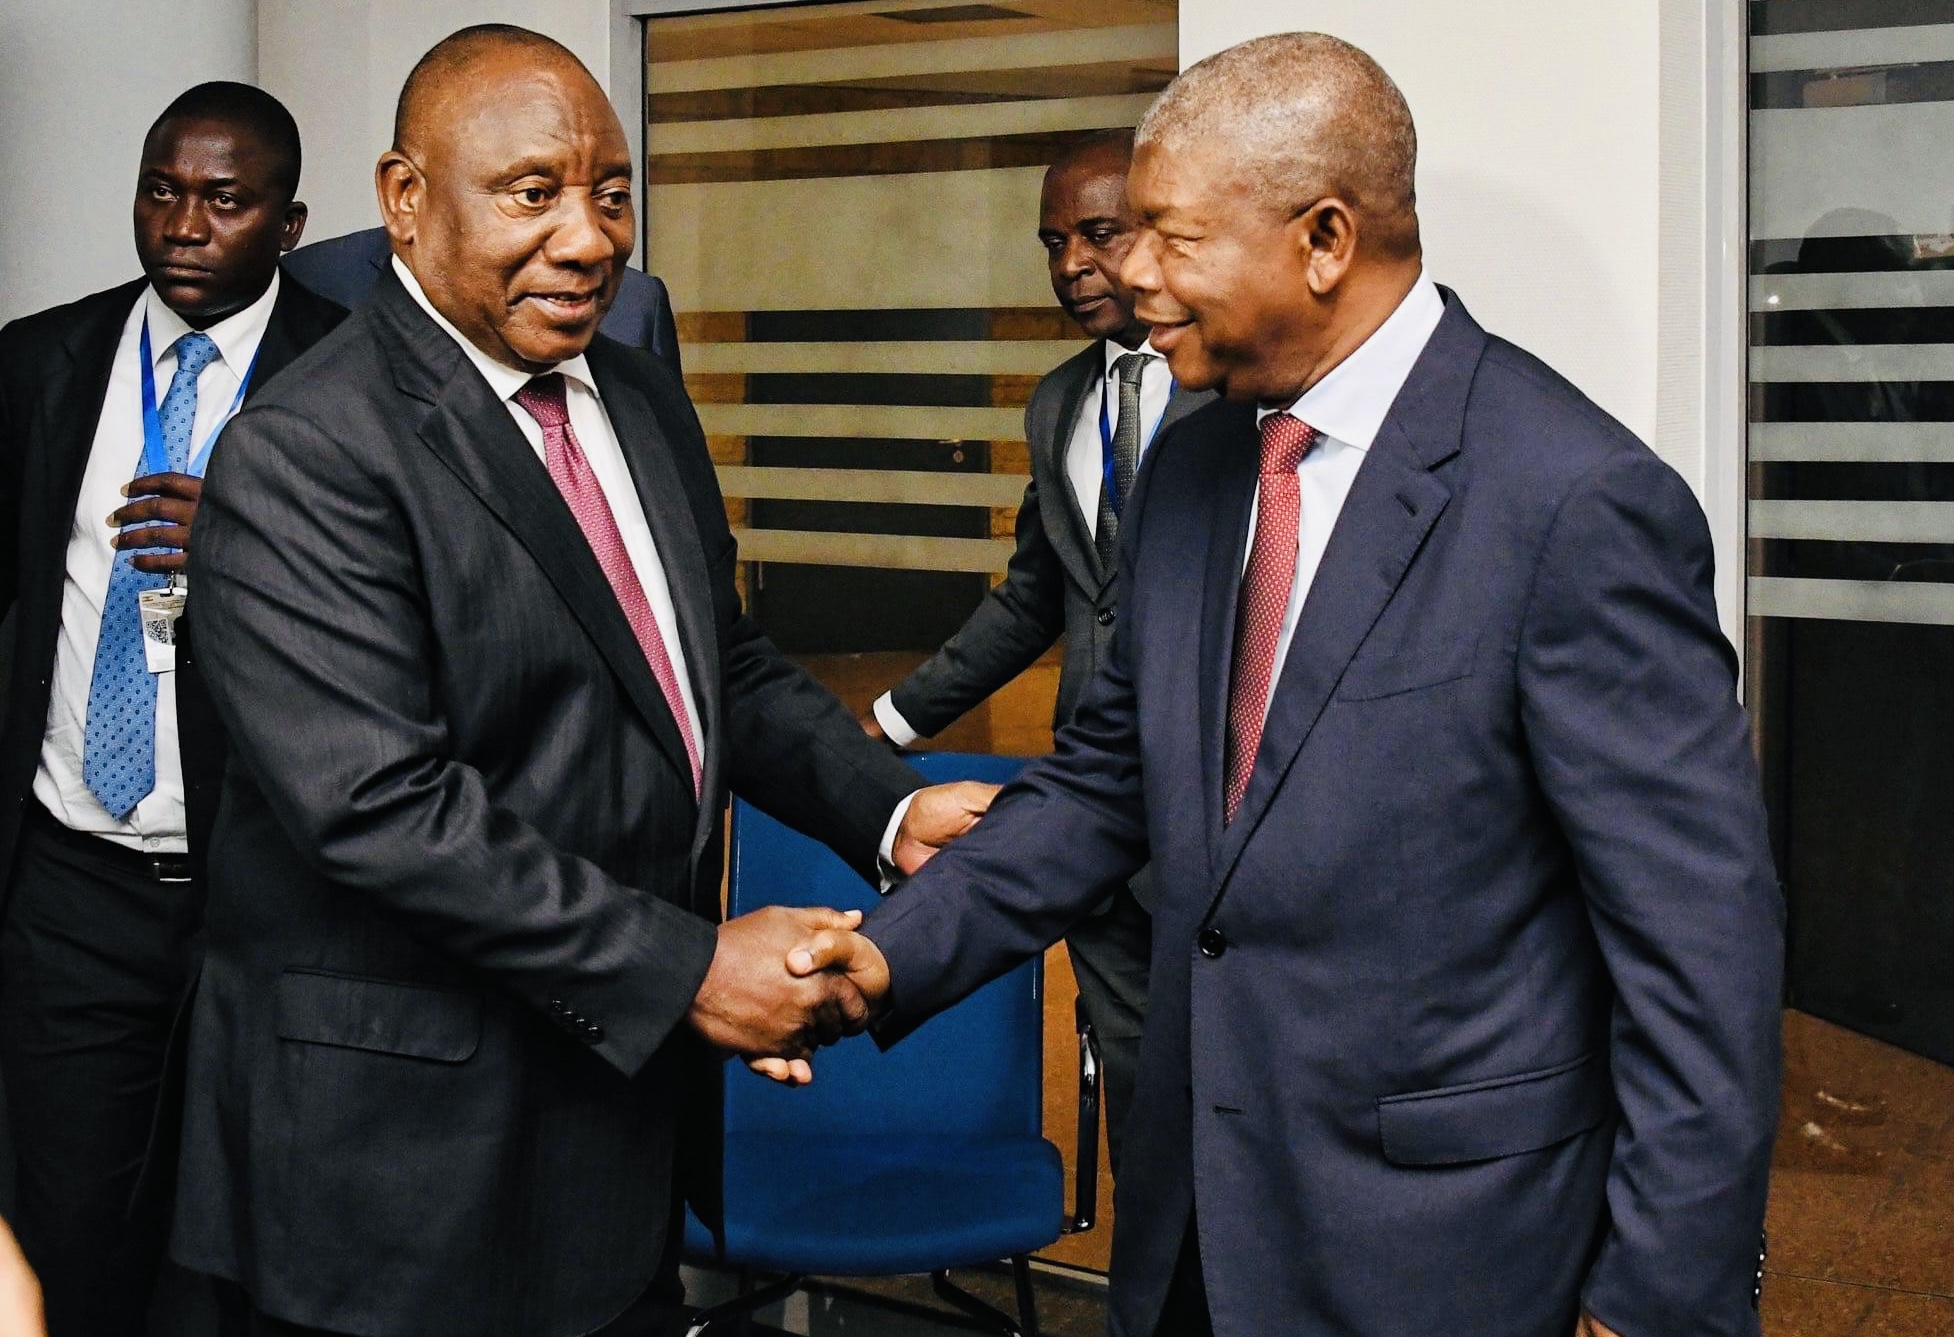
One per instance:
(159, 610)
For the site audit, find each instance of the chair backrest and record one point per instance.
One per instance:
(975, 1071)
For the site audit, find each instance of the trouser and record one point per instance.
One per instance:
(95, 954)
(659, 1312)
(1185, 1313)
(1112, 952)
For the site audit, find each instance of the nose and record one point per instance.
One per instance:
(580, 239)
(1140, 274)
(186, 224)
(1075, 261)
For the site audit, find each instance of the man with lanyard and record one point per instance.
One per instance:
(110, 755)
(1089, 424)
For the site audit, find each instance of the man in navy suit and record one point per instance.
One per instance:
(346, 268)
(1468, 944)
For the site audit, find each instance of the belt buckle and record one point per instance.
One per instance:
(171, 868)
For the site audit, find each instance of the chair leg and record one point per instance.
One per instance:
(742, 1306)
(1027, 1302)
(996, 1320)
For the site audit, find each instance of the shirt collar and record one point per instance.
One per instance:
(237, 335)
(1350, 404)
(1114, 352)
(504, 380)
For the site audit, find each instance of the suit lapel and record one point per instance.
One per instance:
(72, 410)
(1393, 504)
(472, 433)
(647, 452)
(1079, 556)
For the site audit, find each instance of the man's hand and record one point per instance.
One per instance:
(749, 1004)
(870, 725)
(169, 498)
(1590, 1326)
(831, 953)
(20, 1293)
(937, 816)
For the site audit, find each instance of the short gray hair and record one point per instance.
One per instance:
(1304, 116)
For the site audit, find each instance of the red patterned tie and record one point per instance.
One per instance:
(1264, 596)
(570, 469)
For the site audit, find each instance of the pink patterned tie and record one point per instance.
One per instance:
(1264, 597)
(543, 400)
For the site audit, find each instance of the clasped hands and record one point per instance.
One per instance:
(785, 980)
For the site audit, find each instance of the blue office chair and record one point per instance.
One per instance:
(928, 1157)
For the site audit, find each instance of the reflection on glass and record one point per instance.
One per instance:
(844, 202)
(1851, 447)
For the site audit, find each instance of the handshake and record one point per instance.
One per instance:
(784, 980)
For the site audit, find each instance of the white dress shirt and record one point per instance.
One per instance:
(1346, 408)
(1085, 466)
(156, 824)
(592, 425)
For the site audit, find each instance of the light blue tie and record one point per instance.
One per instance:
(119, 747)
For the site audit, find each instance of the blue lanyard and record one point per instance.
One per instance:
(1106, 479)
(156, 455)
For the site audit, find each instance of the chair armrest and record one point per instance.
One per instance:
(1085, 1184)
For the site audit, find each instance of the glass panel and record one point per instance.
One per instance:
(844, 201)
(1851, 553)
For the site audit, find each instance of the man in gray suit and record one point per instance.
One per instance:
(1089, 423)
(346, 269)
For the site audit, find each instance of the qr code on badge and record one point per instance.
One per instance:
(160, 630)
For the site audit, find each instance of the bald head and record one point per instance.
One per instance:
(461, 59)
(1301, 116)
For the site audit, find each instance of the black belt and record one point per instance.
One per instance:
(131, 863)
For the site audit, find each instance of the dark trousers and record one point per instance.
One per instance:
(659, 1312)
(1112, 953)
(95, 956)
(1186, 1312)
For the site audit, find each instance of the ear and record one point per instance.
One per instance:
(402, 191)
(294, 226)
(1326, 234)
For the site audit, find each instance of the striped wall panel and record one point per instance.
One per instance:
(1852, 311)
(844, 200)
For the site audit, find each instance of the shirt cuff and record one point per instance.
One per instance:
(885, 854)
(893, 724)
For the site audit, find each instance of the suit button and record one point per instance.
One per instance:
(594, 1034)
(1105, 617)
(1213, 942)
(557, 1006)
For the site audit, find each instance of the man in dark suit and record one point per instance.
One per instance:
(1467, 943)
(473, 629)
(109, 763)
(1089, 424)
(348, 268)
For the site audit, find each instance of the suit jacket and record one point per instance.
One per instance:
(461, 892)
(347, 268)
(54, 373)
(1055, 581)
(1470, 1016)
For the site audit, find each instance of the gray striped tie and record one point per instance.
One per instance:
(1126, 457)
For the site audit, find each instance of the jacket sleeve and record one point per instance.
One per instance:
(1067, 833)
(1628, 700)
(318, 653)
(1018, 621)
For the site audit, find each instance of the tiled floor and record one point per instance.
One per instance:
(1862, 1191)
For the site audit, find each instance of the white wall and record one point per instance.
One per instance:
(1564, 154)
(339, 64)
(79, 86)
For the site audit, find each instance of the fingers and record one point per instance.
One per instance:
(186, 486)
(153, 536)
(162, 563)
(976, 796)
(815, 919)
(870, 725)
(144, 510)
(788, 1072)
(826, 950)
